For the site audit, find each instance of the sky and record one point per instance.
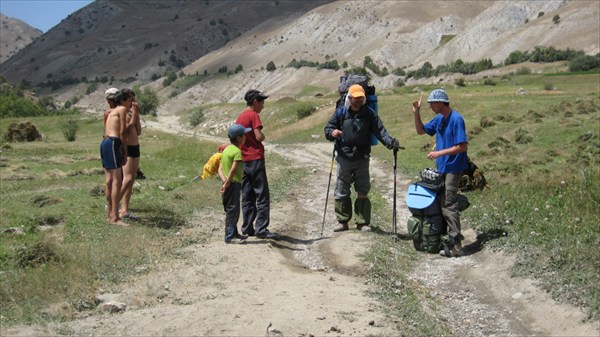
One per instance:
(41, 14)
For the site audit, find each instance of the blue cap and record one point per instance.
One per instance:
(438, 95)
(237, 130)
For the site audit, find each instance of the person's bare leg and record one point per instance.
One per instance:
(117, 178)
(108, 192)
(129, 171)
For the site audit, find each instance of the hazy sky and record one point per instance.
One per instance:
(41, 14)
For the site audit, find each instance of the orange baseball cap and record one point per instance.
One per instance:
(356, 90)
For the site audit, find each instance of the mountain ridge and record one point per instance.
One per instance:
(395, 34)
(14, 36)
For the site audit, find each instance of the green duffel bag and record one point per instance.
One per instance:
(428, 233)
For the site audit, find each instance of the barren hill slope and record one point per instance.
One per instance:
(14, 36)
(138, 42)
(404, 33)
(138, 39)
(394, 34)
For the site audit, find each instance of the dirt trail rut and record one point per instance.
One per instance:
(307, 284)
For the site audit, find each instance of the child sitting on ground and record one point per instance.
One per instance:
(231, 171)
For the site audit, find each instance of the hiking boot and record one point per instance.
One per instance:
(341, 227)
(363, 228)
(241, 237)
(248, 233)
(267, 235)
(236, 241)
(455, 251)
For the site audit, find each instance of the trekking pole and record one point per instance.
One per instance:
(395, 235)
(328, 186)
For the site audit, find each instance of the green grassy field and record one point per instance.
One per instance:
(539, 152)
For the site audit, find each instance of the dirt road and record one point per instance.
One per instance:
(305, 284)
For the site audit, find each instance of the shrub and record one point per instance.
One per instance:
(71, 101)
(358, 71)
(556, 19)
(305, 110)
(91, 88)
(399, 72)
(584, 62)
(399, 83)
(425, 71)
(69, 129)
(460, 82)
(170, 77)
(369, 64)
(196, 117)
(15, 106)
(548, 86)
(489, 81)
(147, 101)
(331, 64)
(523, 71)
(302, 63)
(271, 66)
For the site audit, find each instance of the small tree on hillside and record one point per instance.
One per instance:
(556, 19)
(271, 66)
(147, 101)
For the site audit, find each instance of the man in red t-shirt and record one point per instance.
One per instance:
(256, 201)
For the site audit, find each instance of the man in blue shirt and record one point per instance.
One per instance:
(450, 156)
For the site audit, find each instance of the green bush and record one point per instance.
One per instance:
(460, 82)
(196, 117)
(271, 66)
(369, 64)
(358, 71)
(399, 83)
(584, 63)
(69, 129)
(147, 101)
(489, 81)
(170, 78)
(523, 71)
(15, 106)
(305, 110)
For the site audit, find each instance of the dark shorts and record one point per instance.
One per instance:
(111, 153)
(133, 151)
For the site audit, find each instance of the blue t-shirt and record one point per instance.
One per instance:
(448, 133)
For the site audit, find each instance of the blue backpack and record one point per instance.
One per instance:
(346, 81)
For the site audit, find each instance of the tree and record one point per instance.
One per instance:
(147, 101)
(271, 66)
(170, 78)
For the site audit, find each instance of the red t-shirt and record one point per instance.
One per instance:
(252, 149)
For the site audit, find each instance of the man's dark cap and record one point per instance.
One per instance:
(253, 94)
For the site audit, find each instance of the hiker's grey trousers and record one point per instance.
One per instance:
(449, 204)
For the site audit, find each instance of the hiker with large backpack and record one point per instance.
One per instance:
(450, 156)
(351, 127)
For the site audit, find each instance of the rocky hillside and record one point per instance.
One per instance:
(14, 36)
(140, 41)
(394, 34)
